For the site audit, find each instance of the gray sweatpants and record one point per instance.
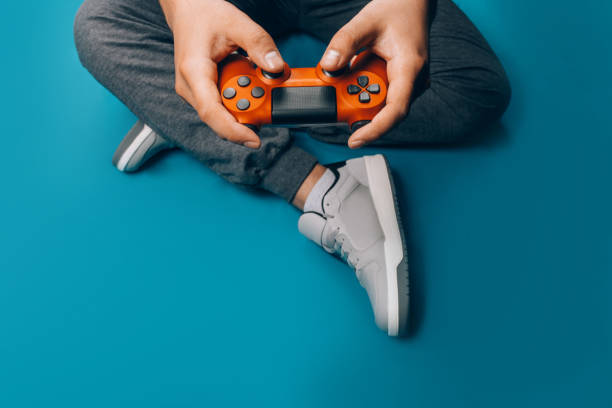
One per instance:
(128, 47)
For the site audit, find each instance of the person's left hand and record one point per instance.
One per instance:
(395, 31)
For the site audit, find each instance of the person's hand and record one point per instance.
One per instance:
(205, 32)
(397, 32)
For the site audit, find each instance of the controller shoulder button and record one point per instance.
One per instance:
(243, 104)
(374, 88)
(257, 92)
(363, 80)
(353, 89)
(364, 97)
(229, 93)
(244, 81)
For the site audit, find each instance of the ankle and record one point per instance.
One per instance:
(311, 180)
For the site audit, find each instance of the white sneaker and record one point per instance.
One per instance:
(139, 145)
(361, 224)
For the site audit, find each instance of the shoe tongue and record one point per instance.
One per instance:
(311, 226)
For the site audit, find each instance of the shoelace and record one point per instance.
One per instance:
(344, 248)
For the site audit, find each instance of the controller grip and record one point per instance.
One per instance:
(359, 124)
(252, 127)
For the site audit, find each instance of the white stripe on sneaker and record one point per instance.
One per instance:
(382, 196)
(129, 152)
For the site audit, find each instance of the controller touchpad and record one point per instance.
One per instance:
(304, 104)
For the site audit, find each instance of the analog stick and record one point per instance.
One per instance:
(336, 73)
(272, 75)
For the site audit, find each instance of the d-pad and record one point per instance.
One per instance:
(363, 89)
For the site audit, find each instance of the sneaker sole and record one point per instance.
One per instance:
(130, 144)
(384, 197)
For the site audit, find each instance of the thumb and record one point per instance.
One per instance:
(261, 47)
(345, 44)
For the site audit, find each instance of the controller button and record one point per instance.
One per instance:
(257, 92)
(229, 93)
(244, 81)
(364, 97)
(353, 89)
(363, 80)
(334, 74)
(272, 75)
(374, 88)
(243, 104)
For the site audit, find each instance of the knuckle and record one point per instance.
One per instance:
(203, 112)
(402, 110)
(398, 108)
(187, 67)
(418, 57)
(178, 88)
(183, 92)
(420, 60)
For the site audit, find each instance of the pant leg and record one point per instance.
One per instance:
(467, 88)
(128, 47)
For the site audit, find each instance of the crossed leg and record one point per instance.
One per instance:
(351, 207)
(128, 47)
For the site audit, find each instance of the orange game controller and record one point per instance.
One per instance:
(303, 96)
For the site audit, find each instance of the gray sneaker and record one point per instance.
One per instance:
(361, 224)
(139, 145)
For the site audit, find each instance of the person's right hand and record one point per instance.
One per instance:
(205, 32)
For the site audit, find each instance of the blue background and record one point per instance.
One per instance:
(173, 288)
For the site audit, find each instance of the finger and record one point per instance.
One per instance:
(402, 73)
(214, 114)
(201, 92)
(258, 44)
(382, 122)
(355, 35)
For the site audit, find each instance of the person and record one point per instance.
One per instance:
(160, 59)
